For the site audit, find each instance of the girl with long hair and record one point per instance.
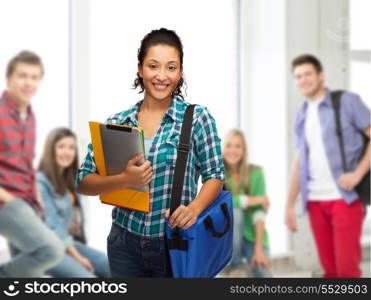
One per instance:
(56, 178)
(246, 183)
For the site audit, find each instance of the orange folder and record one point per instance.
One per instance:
(126, 198)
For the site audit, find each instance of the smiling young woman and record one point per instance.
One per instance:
(136, 246)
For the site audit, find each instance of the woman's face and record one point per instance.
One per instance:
(65, 151)
(233, 150)
(161, 71)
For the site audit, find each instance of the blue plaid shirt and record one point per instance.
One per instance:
(204, 159)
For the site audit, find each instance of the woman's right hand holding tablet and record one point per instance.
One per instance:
(137, 173)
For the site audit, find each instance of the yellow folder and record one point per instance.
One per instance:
(127, 198)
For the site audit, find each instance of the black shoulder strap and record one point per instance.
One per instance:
(336, 103)
(181, 161)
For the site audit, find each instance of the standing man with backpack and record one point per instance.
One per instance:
(335, 208)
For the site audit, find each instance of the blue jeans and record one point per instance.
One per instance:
(238, 228)
(131, 255)
(248, 249)
(242, 248)
(38, 248)
(71, 268)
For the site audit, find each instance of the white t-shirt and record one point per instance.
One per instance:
(147, 145)
(321, 185)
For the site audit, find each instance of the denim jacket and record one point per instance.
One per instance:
(58, 209)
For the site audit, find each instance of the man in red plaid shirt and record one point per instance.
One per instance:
(34, 246)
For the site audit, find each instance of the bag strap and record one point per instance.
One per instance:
(336, 104)
(181, 161)
(208, 222)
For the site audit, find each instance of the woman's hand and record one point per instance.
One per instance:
(81, 259)
(86, 263)
(183, 217)
(260, 260)
(137, 176)
(265, 203)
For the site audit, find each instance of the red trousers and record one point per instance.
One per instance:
(337, 229)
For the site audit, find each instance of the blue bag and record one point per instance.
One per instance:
(204, 249)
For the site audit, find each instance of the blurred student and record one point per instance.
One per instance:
(247, 185)
(56, 178)
(35, 246)
(136, 245)
(335, 211)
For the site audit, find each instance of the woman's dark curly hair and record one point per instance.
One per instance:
(160, 36)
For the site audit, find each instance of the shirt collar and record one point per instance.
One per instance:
(12, 105)
(176, 106)
(326, 99)
(176, 110)
(132, 116)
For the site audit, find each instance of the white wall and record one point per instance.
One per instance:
(264, 100)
